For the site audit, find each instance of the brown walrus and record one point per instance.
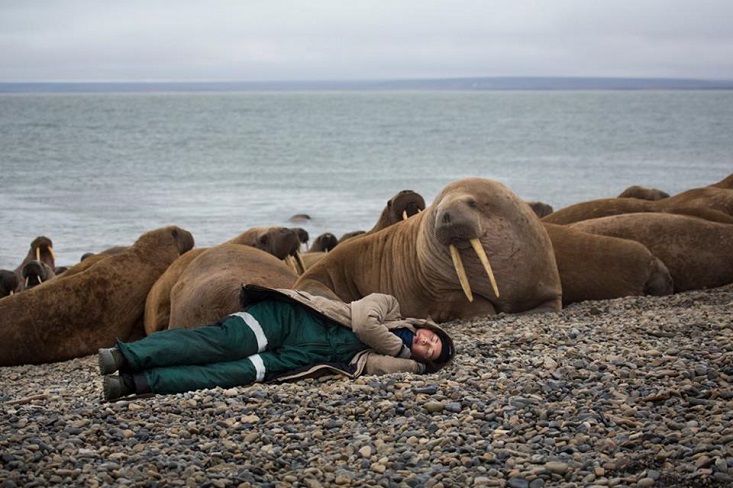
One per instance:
(643, 193)
(209, 288)
(281, 242)
(34, 273)
(41, 250)
(597, 267)
(697, 252)
(8, 282)
(726, 183)
(710, 203)
(477, 228)
(73, 316)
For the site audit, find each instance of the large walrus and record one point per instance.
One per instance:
(209, 288)
(74, 316)
(598, 267)
(477, 250)
(710, 203)
(281, 242)
(697, 252)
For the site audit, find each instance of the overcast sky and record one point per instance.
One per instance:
(270, 40)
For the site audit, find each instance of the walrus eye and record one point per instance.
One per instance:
(174, 233)
(264, 238)
(472, 203)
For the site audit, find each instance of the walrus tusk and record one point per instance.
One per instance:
(53, 254)
(485, 261)
(27, 281)
(404, 215)
(299, 262)
(460, 271)
(38, 254)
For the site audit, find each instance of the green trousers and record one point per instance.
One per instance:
(270, 338)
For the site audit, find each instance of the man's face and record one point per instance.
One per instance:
(426, 345)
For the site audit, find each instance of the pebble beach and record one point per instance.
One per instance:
(633, 392)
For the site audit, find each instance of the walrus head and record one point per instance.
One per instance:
(8, 282)
(283, 243)
(36, 272)
(473, 215)
(404, 205)
(42, 250)
(324, 242)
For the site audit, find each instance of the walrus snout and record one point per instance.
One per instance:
(36, 272)
(455, 227)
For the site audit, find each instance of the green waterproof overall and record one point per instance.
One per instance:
(269, 338)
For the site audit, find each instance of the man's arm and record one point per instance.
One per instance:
(368, 317)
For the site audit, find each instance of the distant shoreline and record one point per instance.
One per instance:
(448, 84)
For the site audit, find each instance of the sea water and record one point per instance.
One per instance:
(96, 170)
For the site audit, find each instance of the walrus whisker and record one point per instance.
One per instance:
(460, 271)
(485, 261)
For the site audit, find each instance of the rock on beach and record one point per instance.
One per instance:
(631, 392)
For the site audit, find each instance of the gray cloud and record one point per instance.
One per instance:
(261, 40)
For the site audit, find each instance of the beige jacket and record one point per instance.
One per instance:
(371, 318)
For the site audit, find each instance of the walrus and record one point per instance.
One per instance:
(697, 252)
(34, 273)
(8, 282)
(401, 206)
(540, 209)
(710, 203)
(209, 288)
(75, 316)
(726, 183)
(324, 243)
(41, 250)
(477, 250)
(598, 267)
(281, 242)
(643, 193)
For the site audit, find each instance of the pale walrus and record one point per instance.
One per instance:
(75, 316)
(698, 253)
(210, 286)
(281, 242)
(597, 267)
(477, 250)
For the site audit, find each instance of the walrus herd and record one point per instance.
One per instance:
(477, 250)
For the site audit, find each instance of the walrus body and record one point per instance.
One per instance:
(280, 242)
(598, 267)
(74, 316)
(698, 253)
(412, 259)
(209, 288)
(710, 203)
(643, 193)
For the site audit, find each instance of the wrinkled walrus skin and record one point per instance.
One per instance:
(74, 316)
(411, 259)
(598, 267)
(697, 252)
(209, 288)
